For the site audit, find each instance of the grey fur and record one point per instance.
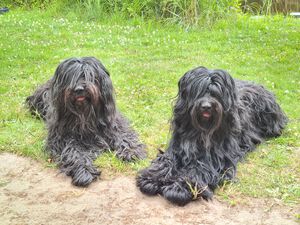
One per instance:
(216, 121)
(78, 106)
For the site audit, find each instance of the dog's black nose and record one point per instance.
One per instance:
(79, 88)
(206, 105)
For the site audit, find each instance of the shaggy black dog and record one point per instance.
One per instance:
(216, 121)
(79, 109)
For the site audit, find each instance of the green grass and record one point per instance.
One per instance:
(146, 60)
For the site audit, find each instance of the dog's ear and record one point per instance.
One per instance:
(107, 95)
(102, 77)
(187, 80)
(182, 86)
(227, 86)
(231, 91)
(181, 103)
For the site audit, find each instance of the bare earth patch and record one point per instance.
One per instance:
(32, 194)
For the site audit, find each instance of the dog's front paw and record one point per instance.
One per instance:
(177, 194)
(204, 192)
(131, 154)
(84, 176)
(147, 185)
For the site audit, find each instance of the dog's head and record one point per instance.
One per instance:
(205, 97)
(83, 85)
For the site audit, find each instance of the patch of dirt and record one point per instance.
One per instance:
(32, 194)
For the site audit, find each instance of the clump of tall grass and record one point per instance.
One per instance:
(186, 12)
(257, 6)
(178, 11)
(28, 4)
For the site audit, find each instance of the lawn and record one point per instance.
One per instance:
(146, 60)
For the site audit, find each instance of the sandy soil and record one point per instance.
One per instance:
(32, 194)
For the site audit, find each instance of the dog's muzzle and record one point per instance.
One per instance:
(80, 93)
(205, 109)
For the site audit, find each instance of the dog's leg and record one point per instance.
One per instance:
(151, 179)
(197, 180)
(126, 142)
(77, 162)
(38, 102)
(201, 179)
(178, 185)
(267, 118)
(177, 192)
(130, 153)
(162, 177)
(190, 184)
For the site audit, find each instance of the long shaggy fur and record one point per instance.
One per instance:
(216, 121)
(80, 112)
